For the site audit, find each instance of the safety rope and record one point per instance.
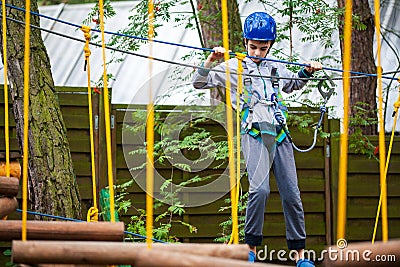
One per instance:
(342, 181)
(26, 120)
(93, 212)
(229, 121)
(6, 118)
(107, 115)
(200, 48)
(240, 57)
(150, 134)
(381, 195)
(381, 121)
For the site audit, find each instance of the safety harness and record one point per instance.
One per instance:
(258, 130)
(261, 129)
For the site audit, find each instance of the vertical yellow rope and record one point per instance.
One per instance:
(396, 109)
(342, 182)
(240, 57)
(26, 118)
(229, 117)
(107, 115)
(93, 212)
(381, 124)
(150, 135)
(6, 118)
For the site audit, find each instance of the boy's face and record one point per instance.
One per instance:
(258, 49)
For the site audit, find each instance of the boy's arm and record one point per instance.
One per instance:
(306, 72)
(206, 79)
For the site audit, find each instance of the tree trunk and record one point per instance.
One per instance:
(52, 185)
(210, 17)
(362, 60)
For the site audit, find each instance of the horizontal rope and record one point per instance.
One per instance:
(76, 220)
(174, 62)
(194, 47)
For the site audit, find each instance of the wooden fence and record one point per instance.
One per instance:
(317, 172)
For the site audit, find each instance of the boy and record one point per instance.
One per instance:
(263, 116)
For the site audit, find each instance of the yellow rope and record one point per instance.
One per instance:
(240, 57)
(150, 135)
(396, 109)
(342, 182)
(6, 118)
(229, 117)
(93, 212)
(26, 119)
(381, 124)
(107, 115)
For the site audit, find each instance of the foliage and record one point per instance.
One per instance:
(227, 225)
(8, 254)
(357, 140)
(194, 139)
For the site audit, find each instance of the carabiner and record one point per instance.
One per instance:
(328, 94)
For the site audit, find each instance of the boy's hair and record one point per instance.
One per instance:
(245, 41)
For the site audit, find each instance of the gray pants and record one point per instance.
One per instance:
(259, 162)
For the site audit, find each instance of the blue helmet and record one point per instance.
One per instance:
(259, 26)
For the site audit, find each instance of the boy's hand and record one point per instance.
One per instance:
(218, 54)
(314, 66)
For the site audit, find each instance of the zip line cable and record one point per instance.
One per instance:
(197, 48)
(76, 220)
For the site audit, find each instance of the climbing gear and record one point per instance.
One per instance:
(262, 131)
(305, 263)
(259, 26)
(325, 95)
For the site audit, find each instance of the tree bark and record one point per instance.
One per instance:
(362, 60)
(52, 185)
(210, 18)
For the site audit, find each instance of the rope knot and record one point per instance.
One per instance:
(86, 33)
(397, 104)
(93, 215)
(240, 56)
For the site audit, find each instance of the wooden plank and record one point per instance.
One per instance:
(7, 206)
(367, 207)
(55, 230)
(362, 229)
(73, 99)
(34, 252)
(68, 89)
(368, 185)
(9, 186)
(359, 164)
(80, 121)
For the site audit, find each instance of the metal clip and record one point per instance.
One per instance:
(328, 94)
